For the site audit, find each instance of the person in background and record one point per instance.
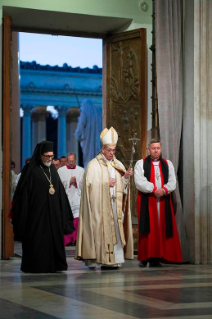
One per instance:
(27, 161)
(56, 163)
(12, 165)
(13, 179)
(63, 161)
(71, 176)
(12, 184)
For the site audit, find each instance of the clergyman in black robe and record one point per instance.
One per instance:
(41, 214)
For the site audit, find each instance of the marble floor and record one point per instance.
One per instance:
(183, 291)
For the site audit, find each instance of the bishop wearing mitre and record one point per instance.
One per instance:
(105, 228)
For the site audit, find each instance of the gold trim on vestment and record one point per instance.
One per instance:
(107, 215)
(109, 145)
(103, 133)
(112, 135)
(109, 230)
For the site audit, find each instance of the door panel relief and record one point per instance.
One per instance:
(126, 91)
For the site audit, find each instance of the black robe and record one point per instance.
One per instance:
(40, 221)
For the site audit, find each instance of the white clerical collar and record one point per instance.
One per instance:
(155, 160)
(108, 161)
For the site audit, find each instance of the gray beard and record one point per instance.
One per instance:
(47, 164)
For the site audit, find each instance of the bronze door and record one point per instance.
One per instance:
(125, 96)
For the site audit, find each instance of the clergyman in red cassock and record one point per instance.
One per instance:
(158, 236)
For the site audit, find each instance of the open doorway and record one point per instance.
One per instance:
(58, 77)
(124, 86)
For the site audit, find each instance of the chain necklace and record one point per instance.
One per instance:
(51, 189)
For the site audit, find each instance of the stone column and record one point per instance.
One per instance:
(61, 131)
(38, 125)
(26, 133)
(197, 130)
(72, 143)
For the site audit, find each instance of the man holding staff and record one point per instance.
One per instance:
(105, 230)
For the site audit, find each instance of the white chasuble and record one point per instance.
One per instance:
(104, 237)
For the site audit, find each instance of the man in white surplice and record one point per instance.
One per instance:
(158, 236)
(71, 176)
(105, 231)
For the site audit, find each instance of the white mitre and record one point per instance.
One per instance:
(109, 137)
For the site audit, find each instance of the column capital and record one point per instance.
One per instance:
(39, 114)
(27, 109)
(73, 113)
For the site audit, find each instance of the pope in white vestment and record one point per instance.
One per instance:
(71, 176)
(105, 227)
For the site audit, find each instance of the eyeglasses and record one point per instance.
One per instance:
(48, 156)
(110, 150)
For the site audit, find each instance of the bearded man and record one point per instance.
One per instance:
(41, 214)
